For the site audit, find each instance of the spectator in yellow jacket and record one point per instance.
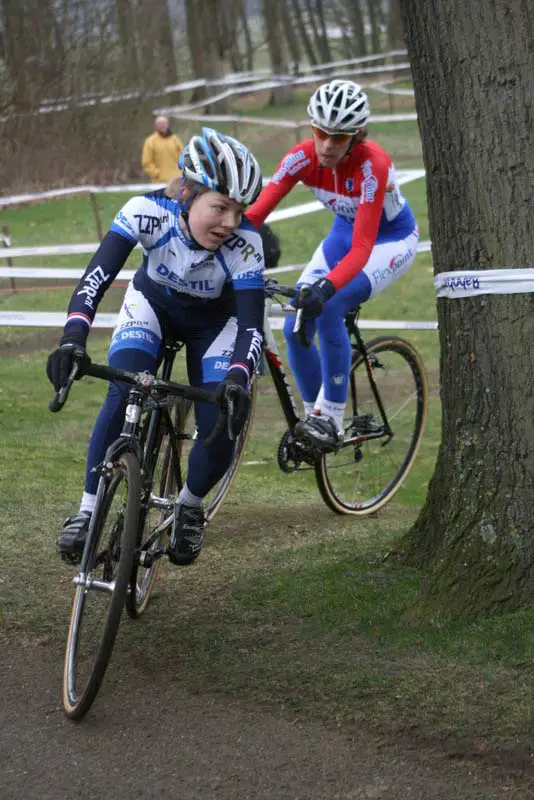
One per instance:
(161, 151)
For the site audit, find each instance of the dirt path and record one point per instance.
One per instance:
(157, 742)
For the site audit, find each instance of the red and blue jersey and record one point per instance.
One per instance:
(363, 189)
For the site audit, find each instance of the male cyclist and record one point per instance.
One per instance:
(371, 243)
(200, 282)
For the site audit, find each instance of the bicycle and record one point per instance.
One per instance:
(384, 419)
(139, 480)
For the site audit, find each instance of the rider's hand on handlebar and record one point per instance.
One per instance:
(312, 298)
(62, 360)
(233, 398)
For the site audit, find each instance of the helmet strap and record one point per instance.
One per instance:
(184, 206)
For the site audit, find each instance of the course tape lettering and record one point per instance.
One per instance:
(470, 283)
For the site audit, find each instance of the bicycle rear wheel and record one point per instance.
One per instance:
(101, 584)
(161, 484)
(363, 476)
(216, 496)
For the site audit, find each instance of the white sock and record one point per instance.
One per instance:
(308, 408)
(187, 498)
(334, 410)
(88, 502)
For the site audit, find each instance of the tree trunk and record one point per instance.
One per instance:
(154, 33)
(374, 22)
(323, 36)
(292, 40)
(303, 33)
(16, 42)
(249, 45)
(395, 26)
(230, 14)
(471, 66)
(204, 43)
(315, 31)
(272, 14)
(348, 46)
(355, 15)
(126, 28)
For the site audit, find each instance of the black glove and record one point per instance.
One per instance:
(312, 298)
(271, 246)
(230, 392)
(61, 361)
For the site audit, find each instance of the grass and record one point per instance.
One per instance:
(290, 606)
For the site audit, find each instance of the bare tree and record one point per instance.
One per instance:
(128, 40)
(272, 15)
(249, 46)
(355, 16)
(472, 72)
(395, 27)
(156, 46)
(374, 12)
(203, 37)
(303, 33)
(323, 36)
(292, 40)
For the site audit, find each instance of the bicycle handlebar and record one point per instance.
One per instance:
(273, 288)
(146, 383)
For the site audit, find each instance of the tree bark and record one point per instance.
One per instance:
(154, 33)
(395, 26)
(473, 80)
(323, 36)
(249, 45)
(204, 42)
(355, 15)
(272, 14)
(374, 22)
(303, 33)
(126, 28)
(293, 44)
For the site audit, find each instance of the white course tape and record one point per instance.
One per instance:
(133, 188)
(71, 273)
(404, 176)
(55, 319)
(490, 281)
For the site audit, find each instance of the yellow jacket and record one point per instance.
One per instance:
(160, 156)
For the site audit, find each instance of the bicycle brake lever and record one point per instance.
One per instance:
(298, 327)
(230, 418)
(60, 398)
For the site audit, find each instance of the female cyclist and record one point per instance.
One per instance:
(371, 243)
(201, 282)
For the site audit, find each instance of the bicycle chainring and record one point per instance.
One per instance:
(292, 453)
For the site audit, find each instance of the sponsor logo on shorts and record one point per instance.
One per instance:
(396, 265)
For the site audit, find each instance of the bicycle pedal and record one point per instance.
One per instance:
(148, 559)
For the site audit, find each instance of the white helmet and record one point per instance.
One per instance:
(339, 106)
(223, 164)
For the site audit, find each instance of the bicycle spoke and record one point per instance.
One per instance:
(364, 475)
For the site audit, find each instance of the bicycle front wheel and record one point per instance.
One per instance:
(363, 476)
(216, 496)
(102, 584)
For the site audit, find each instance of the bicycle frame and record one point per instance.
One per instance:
(276, 368)
(284, 390)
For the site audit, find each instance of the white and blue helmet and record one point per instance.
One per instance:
(340, 106)
(222, 164)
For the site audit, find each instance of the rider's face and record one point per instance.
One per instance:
(331, 148)
(213, 217)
